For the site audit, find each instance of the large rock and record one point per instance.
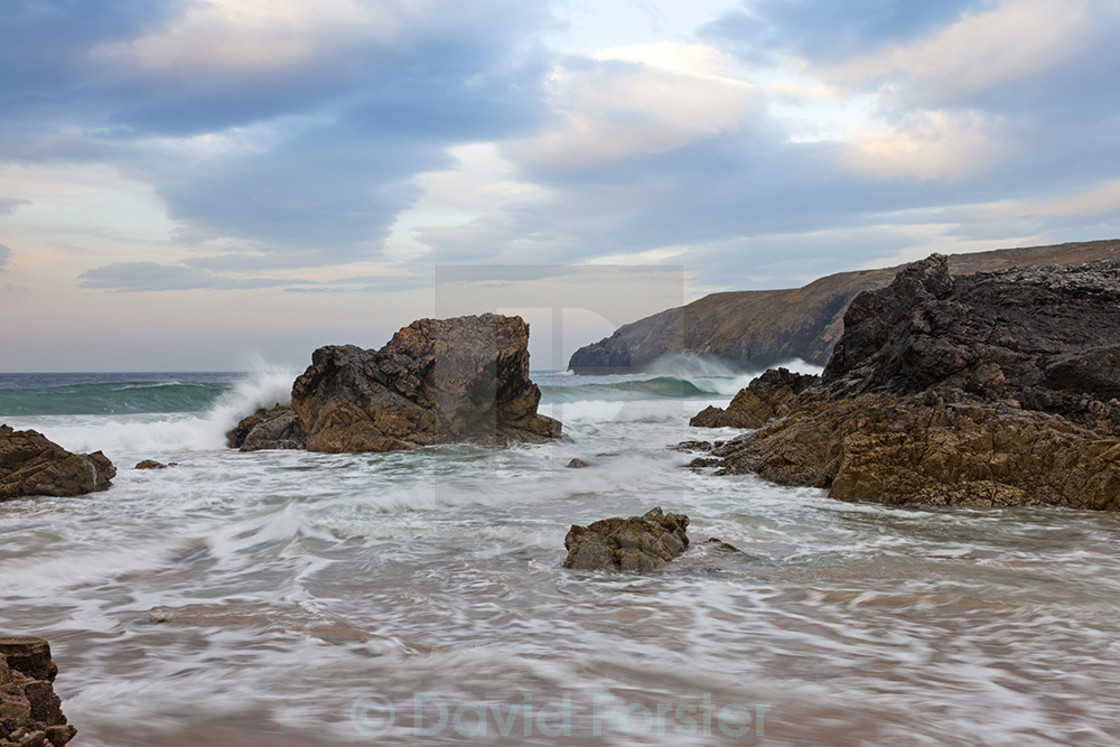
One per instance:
(437, 381)
(276, 428)
(755, 329)
(992, 389)
(31, 464)
(639, 543)
(30, 711)
(901, 450)
(771, 395)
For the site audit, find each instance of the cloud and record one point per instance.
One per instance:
(825, 30)
(637, 101)
(933, 145)
(5, 255)
(133, 277)
(290, 131)
(1007, 44)
(8, 205)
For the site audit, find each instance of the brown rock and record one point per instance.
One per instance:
(899, 450)
(275, 428)
(771, 395)
(150, 464)
(437, 381)
(639, 543)
(30, 711)
(30, 464)
(577, 463)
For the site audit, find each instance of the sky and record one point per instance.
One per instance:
(199, 184)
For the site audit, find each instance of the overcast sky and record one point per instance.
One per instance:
(187, 183)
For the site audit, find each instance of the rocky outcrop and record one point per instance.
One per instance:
(30, 712)
(995, 389)
(31, 464)
(756, 329)
(771, 395)
(639, 543)
(437, 381)
(276, 428)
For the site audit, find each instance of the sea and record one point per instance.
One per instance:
(286, 598)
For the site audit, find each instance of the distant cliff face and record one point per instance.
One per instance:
(756, 329)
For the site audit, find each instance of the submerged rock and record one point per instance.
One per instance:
(771, 395)
(577, 463)
(437, 381)
(275, 428)
(996, 389)
(30, 711)
(639, 543)
(31, 464)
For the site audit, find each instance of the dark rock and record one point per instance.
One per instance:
(692, 446)
(30, 464)
(275, 428)
(150, 464)
(756, 329)
(437, 381)
(995, 389)
(717, 544)
(700, 463)
(30, 711)
(1012, 334)
(577, 463)
(771, 395)
(639, 543)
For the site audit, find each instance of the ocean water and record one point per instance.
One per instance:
(286, 598)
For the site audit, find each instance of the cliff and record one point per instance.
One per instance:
(756, 329)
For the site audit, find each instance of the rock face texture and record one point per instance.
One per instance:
(437, 381)
(771, 395)
(275, 428)
(756, 329)
(30, 464)
(639, 543)
(995, 389)
(30, 712)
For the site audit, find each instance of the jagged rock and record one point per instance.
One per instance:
(275, 428)
(771, 395)
(31, 464)
(437, 381)
(639, 543)
(754, 329)
(995, 389)
(1047, 337)
(30, 711)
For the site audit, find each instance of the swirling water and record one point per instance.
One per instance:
(287, 598)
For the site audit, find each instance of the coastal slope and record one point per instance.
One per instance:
(756, 329)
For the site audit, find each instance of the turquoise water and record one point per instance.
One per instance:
(288, 598)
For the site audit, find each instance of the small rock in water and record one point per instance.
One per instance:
(578, 463)
(150, 464)
(639, 543)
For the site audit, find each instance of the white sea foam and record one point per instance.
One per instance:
(151, 433)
